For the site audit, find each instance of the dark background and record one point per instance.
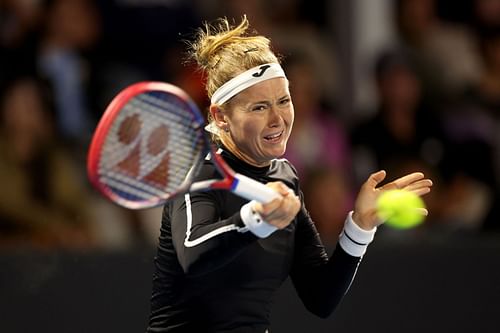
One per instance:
(409, 284)
(78, 263)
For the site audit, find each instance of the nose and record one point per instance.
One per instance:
(275, 117)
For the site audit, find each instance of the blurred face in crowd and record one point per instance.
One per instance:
(24, 118)
(305, 88)
(399, 88)
(492, 54)
(487, 12)
(23, 109)
(416, 16)
(75, 22)
(259, 121)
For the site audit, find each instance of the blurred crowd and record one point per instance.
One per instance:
(437, 108)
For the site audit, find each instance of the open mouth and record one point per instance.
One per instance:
(276, 137)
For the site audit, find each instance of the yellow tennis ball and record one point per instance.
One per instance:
(400, 209)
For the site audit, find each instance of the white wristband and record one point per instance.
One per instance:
(254, 222)
(355, 240)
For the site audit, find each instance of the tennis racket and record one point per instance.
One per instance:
(149, 146)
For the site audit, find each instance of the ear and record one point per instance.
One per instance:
(218, 116)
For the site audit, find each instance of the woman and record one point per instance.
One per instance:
(42, 201)
(216, 269)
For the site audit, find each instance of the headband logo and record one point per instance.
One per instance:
(262, 70)
(246, 79)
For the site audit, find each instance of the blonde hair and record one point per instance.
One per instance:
(223, 51)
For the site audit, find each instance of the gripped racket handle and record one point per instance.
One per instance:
(251, 189)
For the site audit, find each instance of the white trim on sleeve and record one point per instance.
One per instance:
(189, 222)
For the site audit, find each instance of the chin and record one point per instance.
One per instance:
(278, 153)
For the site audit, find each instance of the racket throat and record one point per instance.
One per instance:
(214, 184)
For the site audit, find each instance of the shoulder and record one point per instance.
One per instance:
(207, 170)
(284, 165)
(282, 169)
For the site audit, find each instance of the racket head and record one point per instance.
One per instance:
(148, 145)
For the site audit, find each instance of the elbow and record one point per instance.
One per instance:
(196, 268)
(188, 263)
(191, 261)
(322, 312)
(323, 308)
(191, 268)
(187, 268)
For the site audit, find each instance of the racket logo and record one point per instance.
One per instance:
(145, 149)
(263, 69)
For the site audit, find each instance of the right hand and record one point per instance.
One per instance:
(281, 211)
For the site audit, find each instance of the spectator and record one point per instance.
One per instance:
(320, 151)
(42, 199)
(472, 124)
(19, 32)
(71, 27)
(445, 54)
(403, 134)
(486, 15)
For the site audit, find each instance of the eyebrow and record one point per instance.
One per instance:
(266, 101)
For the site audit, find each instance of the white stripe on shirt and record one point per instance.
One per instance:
(213, 233)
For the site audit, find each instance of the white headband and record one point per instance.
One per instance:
(246, 79)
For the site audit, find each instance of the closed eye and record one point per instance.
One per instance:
(284, 101)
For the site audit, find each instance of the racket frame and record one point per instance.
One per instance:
(105, 124)
(235, 182)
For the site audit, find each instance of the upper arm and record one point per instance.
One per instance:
(202, 238)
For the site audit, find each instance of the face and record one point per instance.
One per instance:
(399, 88)
(259, 120)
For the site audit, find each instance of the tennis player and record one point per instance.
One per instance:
(217, 266)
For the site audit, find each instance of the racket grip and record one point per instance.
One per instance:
(251, 189)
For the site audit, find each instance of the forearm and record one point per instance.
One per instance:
(323, 285)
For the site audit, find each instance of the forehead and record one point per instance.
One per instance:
(268, 89)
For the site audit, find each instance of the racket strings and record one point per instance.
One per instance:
(151, 147)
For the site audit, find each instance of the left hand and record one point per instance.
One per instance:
(365, 210)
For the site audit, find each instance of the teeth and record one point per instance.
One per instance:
(273, 136)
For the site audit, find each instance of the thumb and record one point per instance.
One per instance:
(376, 178)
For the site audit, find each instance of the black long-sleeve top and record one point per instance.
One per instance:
(213, 275)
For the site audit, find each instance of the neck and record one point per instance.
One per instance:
(231, 146)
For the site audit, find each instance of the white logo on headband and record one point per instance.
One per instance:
(246, 79)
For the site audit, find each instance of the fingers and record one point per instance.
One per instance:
(281, 211)
(420, 190)
(419, 184)
(279, 187)
(375, 179)
(422, 211)
(404, 181)
(285, 212)
(420, 187)
(414, 182)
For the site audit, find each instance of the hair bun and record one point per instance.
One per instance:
(214, 38)
(222, 51)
